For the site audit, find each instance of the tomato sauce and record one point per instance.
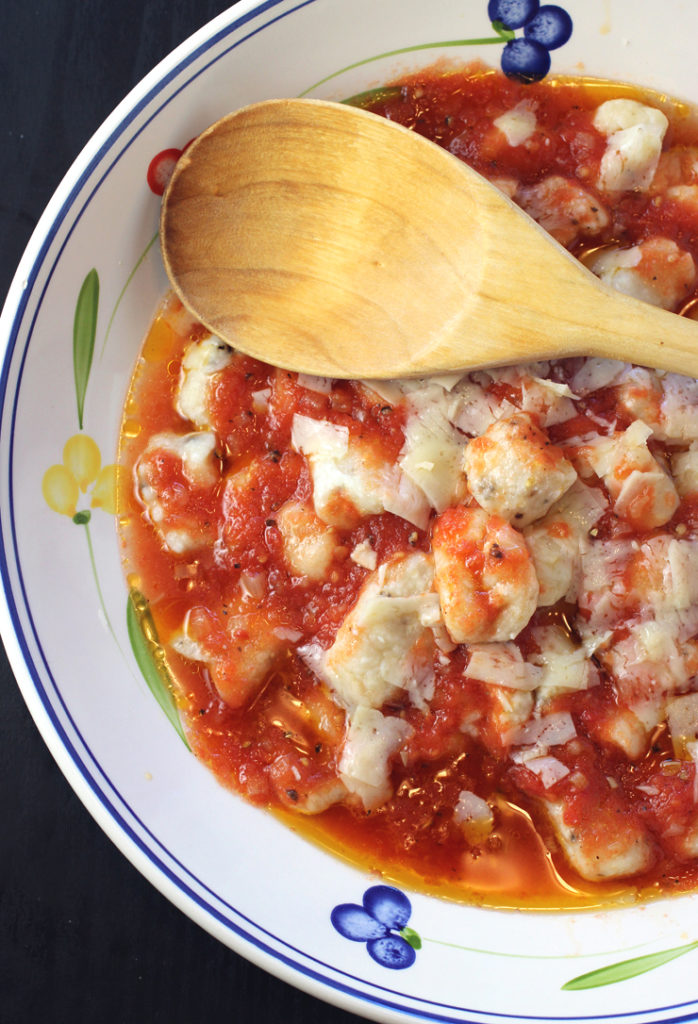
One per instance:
(457, 109)
(278, 742)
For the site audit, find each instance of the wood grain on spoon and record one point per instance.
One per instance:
(325, 239)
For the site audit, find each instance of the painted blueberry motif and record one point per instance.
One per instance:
(545, 28)
(382, 924)
(388, 905)
(551, 27)
(525, 60)
(392, 951)
(512, 13)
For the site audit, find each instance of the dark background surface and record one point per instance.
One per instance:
(83, 937)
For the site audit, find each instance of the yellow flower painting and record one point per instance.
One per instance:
(81, 473)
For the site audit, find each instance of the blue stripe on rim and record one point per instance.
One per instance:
(96, 779)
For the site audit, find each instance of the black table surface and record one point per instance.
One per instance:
(83, 936)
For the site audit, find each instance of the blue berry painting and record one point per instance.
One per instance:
(381, 922)
(525, 58)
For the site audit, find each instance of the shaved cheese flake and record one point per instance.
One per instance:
(405, 499)
(542, 733)
(679, 408)
(501, 664)
(637, 434)
(595, 374)
(548, 769)
(606, 453)
(682, 719)
(393, 392)
(648, 666)
(604, 562)
(447, 381)
(479, 410)
(557, 541)
(318, 436)
(636, 487)
(684, 468)
(580, 506)
(389, 391)
(594, 641)
(688, 623)
(555, 554)
(550, 401)
(655, 641)
(433, 450)
(518, 124)
(371, 740)
(563, 665)
(561, 390)
(682, 559)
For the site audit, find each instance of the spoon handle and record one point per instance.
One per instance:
(534, 300)
(620, 327)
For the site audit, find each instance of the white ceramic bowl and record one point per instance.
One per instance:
(235, 870)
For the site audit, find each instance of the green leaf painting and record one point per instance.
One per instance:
(150, 657)
(625, 969)
(84, 331)
(411, 936)
(373, 96)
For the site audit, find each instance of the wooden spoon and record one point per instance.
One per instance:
(326, 239)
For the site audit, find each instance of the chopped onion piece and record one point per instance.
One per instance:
(260, 401)
(285, 633)
(313, 657)
(474, 815)
(253, 586)
(323, 385)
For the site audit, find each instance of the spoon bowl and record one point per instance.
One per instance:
(325, 239)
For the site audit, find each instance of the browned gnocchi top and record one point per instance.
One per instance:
(451, 624)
